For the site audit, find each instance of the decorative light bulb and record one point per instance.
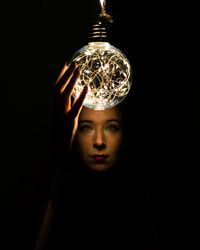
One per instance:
(104, 68)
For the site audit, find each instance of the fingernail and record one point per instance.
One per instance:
(75, 63)
(85, 87)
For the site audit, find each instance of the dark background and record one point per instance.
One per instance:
(38, 37)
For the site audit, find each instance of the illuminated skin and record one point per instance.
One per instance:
(99, 134)
(66, 114)
(99, 137)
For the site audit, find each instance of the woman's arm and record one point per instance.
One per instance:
(46, 227)
(65, 125)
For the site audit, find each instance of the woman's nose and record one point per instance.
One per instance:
(99, 140)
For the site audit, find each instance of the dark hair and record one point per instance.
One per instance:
(127, 109)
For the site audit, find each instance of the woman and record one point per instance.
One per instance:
(95, 202)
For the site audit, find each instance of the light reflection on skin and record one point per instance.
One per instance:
(99, 137)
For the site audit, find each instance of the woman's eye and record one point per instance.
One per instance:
(113, 128)
(85, 128)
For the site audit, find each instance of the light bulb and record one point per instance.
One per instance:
(105, 69)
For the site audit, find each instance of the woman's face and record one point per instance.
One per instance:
(99, 137)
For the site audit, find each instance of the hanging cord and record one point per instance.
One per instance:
(103, 15)
(98, 32)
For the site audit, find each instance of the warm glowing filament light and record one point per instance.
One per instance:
(106, 71)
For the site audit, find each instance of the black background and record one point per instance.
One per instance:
(38, 37)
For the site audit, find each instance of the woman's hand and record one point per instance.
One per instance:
(66, 113)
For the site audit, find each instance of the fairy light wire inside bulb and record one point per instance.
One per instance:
(106, 71)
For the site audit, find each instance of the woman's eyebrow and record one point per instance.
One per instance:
(90, 121)
(113, 120)
(82, 121)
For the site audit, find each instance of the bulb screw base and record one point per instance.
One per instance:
(98, 33)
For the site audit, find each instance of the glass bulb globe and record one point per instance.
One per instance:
(106, 71)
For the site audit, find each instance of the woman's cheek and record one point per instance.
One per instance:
(84, 143)
(115, 142)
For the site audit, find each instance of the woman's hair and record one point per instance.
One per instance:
(127, 109)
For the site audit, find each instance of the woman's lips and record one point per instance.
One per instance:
(100, 158)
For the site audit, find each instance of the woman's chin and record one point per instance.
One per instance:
(99, 167)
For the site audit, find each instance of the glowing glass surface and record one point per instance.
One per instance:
(106, 71)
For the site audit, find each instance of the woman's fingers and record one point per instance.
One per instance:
(70, 86)
(77, 105)
(65, 78)
(65, 67)
(64, 88)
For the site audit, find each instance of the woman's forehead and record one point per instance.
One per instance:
(100, 115)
